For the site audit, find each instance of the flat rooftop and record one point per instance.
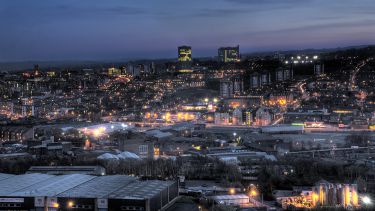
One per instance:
(99, 187)
(80, 186)
(142, 189)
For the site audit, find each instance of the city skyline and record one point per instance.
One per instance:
(142, 29)
(193, 105)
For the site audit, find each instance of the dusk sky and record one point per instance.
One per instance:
(125, 29)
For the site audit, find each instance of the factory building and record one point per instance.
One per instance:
(335, 195)
(84, 192)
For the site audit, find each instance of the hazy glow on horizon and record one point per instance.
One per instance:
(116, 29)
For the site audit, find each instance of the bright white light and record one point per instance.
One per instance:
(366, 200)
(234, 134)
(315, 57)
(112, 126)
(286, 62)
(298, 57)
(123, 125)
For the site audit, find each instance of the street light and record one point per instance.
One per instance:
(253, 190)
(70, 204)
(367, 200)
(253, 193)
(232, 191)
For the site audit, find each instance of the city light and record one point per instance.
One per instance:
(55, 205)
(366, 200)
(253, 193)
(136, 124)
(70, 204)
(99, 131)
(232, 191)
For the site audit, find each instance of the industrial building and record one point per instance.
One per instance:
(282, 129)
(59, 170)
(84, 192)
(334, 195)
(238, 199)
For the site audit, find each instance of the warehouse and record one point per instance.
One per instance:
(57, 170)
(84, 192)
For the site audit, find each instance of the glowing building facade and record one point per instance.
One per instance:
(333, 195)
(184, 54)
(184, 59)
(229, 54)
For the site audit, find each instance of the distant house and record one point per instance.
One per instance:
(263, 116)
(15, 133)
(157, 135)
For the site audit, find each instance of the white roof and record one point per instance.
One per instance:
(82, 186)
(107, 156)
(99, 187)
(122, 155)
(18, 182)
(158, 134)
(230, 197)
(53, 185)
(125, 154)
(5, 176)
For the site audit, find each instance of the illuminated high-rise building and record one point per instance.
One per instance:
(184, 59)
(184, 54)
(229, 54)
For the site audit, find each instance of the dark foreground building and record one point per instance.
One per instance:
(84, 192)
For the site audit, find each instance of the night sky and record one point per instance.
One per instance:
(125, 29)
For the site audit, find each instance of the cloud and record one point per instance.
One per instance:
(219, 12)
(266, 2)
(95, 10)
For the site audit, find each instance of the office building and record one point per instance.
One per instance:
(231, 87)
(184, 59)
(229, 54)
(184, 54)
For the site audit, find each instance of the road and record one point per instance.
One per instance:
(354, 74)
(333, 149)
(300, 85)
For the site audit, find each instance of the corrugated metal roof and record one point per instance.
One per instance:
(18, 182)
(99, 187)
(80, 186)
(230, 197)
(141, 189)
(54, 185)
(5, 176)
